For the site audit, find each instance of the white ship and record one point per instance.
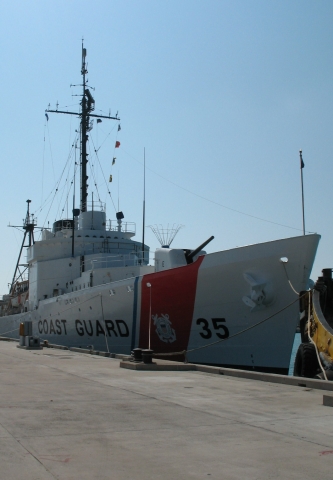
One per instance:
(88, 283)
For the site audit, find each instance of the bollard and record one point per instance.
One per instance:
(137, 354)
(27, 328)
(22, 334)
(34, 342)
(27, 340)
(147, 355)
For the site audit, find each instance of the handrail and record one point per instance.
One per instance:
(114, 261)
(113, 226)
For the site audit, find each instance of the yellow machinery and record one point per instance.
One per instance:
(314, 357)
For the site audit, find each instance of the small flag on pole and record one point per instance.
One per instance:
(110, 179)
(117, 145)
(302, 166)
(47, 117)
(301, 159)
(113, 160)
(119, 127)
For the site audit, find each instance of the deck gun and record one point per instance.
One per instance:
(190, 254)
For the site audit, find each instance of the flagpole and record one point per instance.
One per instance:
(144, 205)
(302, 166)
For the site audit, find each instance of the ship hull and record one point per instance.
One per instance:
(233, 308)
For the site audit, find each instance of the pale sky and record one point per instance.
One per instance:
(221, 94)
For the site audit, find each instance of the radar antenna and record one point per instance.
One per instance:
(165, 236)
(86, 115)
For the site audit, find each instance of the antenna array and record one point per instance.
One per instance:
(165, 235)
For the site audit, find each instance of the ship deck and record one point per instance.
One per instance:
(71, 415)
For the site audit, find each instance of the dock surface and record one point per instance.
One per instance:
(67, 415)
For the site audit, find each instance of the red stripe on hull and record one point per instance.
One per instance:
(172, 294)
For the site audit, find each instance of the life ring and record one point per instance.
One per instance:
(306, 361)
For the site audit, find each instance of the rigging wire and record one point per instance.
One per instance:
(57, 185)
(104, 176)
(69, 142)
(66, 199)
(105, 139)
(213, 201)
(55, 189)
(62, 190)
(49, 200)
(49, 137)
(43, 161)
(167, 180)
(46, 125)
(93, 174)
(69, 187)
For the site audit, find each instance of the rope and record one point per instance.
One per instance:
(170, 354)
(291, 285)
(185, 352)
(311, 340)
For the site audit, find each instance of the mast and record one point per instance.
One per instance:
(87, 107)
(28, 226)
(84, 137)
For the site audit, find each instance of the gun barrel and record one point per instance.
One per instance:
(189, 256)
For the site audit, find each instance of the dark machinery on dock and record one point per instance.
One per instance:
(314, 358)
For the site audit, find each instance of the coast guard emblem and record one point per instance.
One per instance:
(163, 328)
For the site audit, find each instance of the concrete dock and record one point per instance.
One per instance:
(68, 415)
